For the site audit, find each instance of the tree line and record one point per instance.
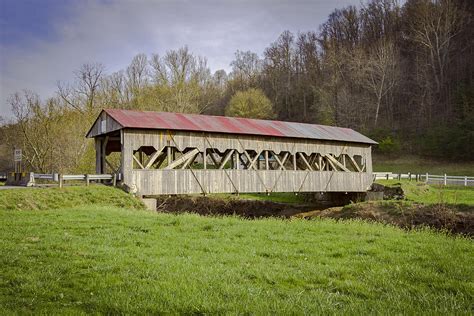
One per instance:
(402, 74)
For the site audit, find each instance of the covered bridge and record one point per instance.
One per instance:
(174, 153)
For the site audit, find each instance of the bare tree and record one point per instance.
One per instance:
(433, 26)
(381, 73)
(82, 94)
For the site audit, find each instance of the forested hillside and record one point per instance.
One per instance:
(402, 74)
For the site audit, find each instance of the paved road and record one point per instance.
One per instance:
(7, 187)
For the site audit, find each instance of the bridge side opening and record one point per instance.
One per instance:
(170, 157)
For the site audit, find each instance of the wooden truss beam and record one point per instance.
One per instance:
(334, 161)
(282, 161)
(189, 161)
(252, 161)
(138, 162)
(226, 158)
(182, 159)
(153, 158)
(354, 163)
(305, 161)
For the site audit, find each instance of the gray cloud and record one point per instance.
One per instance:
(112, 32)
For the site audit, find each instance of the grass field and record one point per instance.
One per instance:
(421, 165)
(85, 258)
(433, 194)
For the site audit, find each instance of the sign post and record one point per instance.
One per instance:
(17, 157)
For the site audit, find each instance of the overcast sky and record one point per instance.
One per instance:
(44, 41)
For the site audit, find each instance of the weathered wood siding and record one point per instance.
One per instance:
(151, 182)
(110, 125)
(154, 182)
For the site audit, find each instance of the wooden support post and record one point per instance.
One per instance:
(204, 158)
(87, 179)
(140, 157)
(294, 162)
(102, 162)
(267, 165)
(168, 153)
(237, 162)
(60, 180)
(98, 154)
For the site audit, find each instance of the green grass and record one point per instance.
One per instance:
(420, 165)
(58, 198)
(98, 259)
(434, 194)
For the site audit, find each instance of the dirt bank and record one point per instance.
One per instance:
(458, 219)
(244, 208)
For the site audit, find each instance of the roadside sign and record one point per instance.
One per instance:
(17, 155)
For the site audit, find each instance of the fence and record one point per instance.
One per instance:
(62, 178)
(428, 178)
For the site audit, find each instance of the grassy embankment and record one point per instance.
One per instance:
(420, 192)
(421, 165)
(70, 255)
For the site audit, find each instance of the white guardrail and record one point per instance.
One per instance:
(61, 178)
(426, 177)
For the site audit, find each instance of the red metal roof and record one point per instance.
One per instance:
(233, 125)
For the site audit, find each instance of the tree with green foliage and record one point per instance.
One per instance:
(251, 103)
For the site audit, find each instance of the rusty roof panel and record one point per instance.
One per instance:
(233, 125)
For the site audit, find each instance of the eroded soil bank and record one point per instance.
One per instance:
(457, 219)
(244, 208)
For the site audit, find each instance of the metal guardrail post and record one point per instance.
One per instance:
(465, 181)
(427, 177)
(114, 179)
(445, 179)
(87, 179)
(60, 180)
